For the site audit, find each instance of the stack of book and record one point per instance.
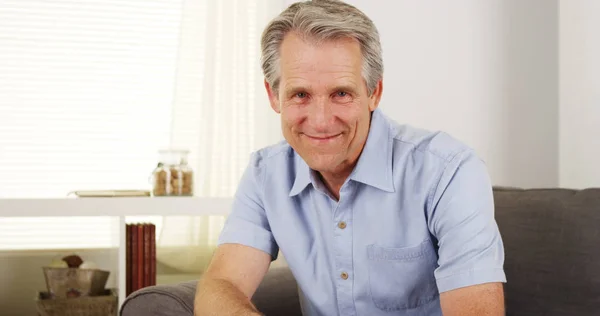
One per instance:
(140, 256)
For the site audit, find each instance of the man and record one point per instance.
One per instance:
(373, 218)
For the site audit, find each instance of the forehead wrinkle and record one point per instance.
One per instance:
(336, 83)
(304, 63)
(307, 74)
(330, 75)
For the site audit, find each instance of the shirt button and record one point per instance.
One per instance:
(342, 225)
(344, 275)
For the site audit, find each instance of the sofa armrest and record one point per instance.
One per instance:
(276, 295)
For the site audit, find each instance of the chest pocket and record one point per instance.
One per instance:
(402, 278)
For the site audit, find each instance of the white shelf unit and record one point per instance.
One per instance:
(120, 207)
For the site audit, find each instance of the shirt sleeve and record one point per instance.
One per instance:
(462, 220)
(247, 223)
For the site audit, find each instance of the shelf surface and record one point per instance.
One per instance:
(115, 206)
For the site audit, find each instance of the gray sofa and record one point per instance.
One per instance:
(552, 244)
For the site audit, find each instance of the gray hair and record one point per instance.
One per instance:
(320, 21)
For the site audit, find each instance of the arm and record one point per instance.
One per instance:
(476, 300)
(246, 249)
(471, 252)
(230, 281)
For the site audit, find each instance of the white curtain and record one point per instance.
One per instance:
(221, 114)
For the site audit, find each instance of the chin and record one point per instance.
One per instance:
(324, 163)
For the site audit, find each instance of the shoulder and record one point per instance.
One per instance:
(434, 160)
(279, 152)
(430, 156)
(438, 145)
(278, 156)
(270, 173)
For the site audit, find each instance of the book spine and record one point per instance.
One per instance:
(140, 251)
(147, 255)
(128, 238)
(153, 254)
(134, 258)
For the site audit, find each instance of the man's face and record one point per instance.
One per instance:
(323, 101)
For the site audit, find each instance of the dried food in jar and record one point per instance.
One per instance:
(173, 176)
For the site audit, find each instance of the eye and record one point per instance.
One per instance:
(300, 95)
(341, 94)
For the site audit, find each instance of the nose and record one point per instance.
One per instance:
(321, 116)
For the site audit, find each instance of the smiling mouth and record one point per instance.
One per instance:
(322, 138)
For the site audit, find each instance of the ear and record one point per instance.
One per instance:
(376, 96)
(273, 98)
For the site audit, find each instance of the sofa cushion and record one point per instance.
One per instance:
(161, 300)
(276, 295)
(551, 239)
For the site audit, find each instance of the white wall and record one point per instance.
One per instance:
(580, 93)
(484, 71)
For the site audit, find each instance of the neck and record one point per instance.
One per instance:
(334, 181)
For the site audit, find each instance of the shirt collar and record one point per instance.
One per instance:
(374, 166)
(303, 175)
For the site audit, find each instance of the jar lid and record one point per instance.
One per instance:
(173, 151)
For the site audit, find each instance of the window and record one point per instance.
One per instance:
(86, 94)
(91, 90)
(86, 89)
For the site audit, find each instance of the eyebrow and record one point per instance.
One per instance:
(295, 89)
(348, 88)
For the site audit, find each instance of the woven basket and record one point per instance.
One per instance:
(75, 282)
(104, 305)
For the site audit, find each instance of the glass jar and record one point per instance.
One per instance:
(173, 176)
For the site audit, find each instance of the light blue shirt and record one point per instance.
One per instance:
(414, 219)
